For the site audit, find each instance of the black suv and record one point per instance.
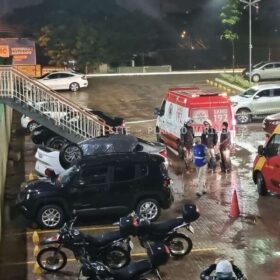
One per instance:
(104, 184)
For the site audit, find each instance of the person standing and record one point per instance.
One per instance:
(201, 156)
(225, 145)
(209, 138)
(187, 137)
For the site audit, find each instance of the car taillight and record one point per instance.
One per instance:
(84, 77)
(166, 181)
(163, 153)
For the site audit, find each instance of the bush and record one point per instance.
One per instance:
(237, 80)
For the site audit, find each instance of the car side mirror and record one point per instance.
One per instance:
(256, 96)
(261, 150)
(157, 112)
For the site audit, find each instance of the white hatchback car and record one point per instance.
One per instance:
(64, 80)
(58, 161)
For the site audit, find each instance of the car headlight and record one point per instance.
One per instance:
(234, 104)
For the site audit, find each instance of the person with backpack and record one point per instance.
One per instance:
(201, 157)
(209, 138)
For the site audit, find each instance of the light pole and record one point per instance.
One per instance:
(249, 4)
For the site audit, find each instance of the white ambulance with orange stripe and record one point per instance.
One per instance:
(180, 104)
(266, 169)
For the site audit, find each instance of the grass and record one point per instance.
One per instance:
(236, 79)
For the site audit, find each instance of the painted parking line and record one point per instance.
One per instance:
(142, 121)
(135, 255)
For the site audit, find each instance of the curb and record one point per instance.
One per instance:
(226, 86)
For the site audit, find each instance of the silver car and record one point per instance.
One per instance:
(256, 101)
(264, 70)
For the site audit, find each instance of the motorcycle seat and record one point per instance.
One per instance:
(161, 228)
(133, 270)
(104, 238)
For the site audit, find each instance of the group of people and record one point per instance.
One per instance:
(201, 152)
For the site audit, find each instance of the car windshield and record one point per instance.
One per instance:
(66, 177)
(43, 76)
(248, 93)
(258, 64)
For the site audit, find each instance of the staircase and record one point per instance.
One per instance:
(27, 96)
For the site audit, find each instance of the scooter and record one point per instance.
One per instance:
(166, 232)
(112, 248)
(158, 254)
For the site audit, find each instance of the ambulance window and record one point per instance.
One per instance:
(162, 108)
(273, 147)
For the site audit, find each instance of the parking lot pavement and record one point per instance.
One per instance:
(252, 239)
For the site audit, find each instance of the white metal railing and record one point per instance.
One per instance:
(30, 93)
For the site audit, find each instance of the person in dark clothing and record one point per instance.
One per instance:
(209, 138)
(187, 138)
(224, 270)
(225, 145)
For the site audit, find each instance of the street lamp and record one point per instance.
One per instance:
(250, 3)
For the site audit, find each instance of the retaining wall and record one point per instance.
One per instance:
(5, 131)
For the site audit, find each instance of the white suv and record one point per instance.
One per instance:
(256, 101)
(64, 80)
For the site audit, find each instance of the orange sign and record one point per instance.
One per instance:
(4, 51)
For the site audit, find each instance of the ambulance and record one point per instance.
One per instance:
(266, 168)
(180, 104)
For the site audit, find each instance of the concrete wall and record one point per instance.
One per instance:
(5, 131)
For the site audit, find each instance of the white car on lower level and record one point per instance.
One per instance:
(58, 161)
(64, 80)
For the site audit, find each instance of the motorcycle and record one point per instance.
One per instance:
(158, 254)
(166, 232)
(112, 248)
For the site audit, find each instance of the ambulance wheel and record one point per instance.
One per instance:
(262, 190)
(180, 149)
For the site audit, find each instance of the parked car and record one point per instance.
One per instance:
(263, 70)
(44, 107)
(58, 161)
(270, 123)
(64, 80)
(43, 135)
(255, 102)
(110, 183)
(266, 168)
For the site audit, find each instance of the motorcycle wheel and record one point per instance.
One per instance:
(51, 259)
(179, 245)
(116, 258)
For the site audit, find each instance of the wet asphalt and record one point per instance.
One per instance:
(252, 239)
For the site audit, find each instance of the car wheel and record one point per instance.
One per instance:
(256, 78)
(262, 190)
(31, 126)
(148, 209)
(243, 116)
(56, 142)
(69, 154)
(74, 87)
(50, 216)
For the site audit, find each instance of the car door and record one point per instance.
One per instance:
(64, 81)
(276, 71)
(271, 168)
(92, 188)
(266, 72)
(121, 187)
(275, 104)
(51, 81)
(262, 102)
